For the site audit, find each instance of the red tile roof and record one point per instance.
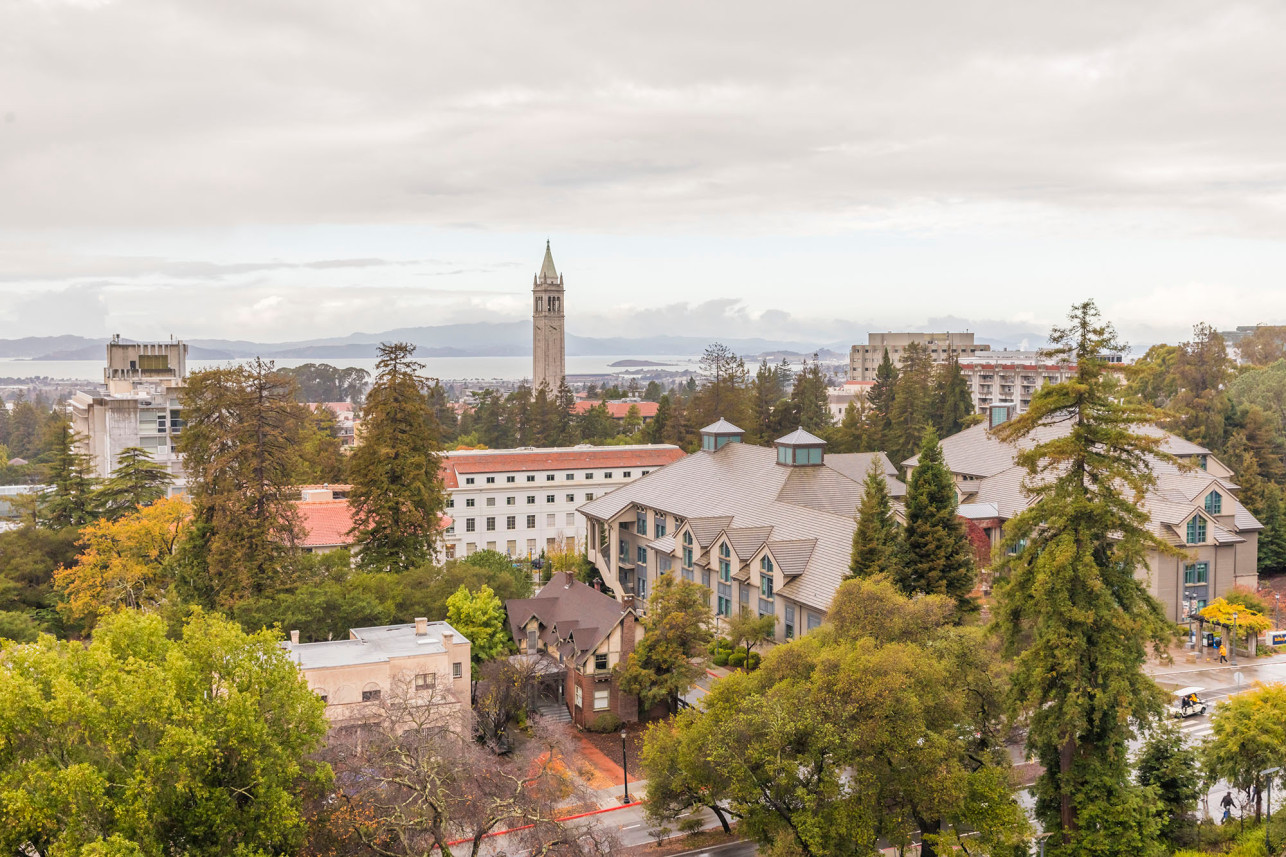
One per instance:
(513, 461)
(325, 523)
(619, 410)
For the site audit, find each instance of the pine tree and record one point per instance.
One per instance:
(765, 391)
(72, 501)
(657, 430)
(877, 541)
(723, 392)
(1070, 606)
(939, 557)
(912, 405)
(321, 453)
(810, 399)
(397, 495)
(880, 403)
(4, 425)
(564, 425)
(952, 401)
(138, 480)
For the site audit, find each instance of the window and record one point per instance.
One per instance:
(570, 476)
(491, 524)
(1214, 503)
(640, 523)
(602, 699)
(743, 592)
(549, 520)
(470, 502)
(725, 563)
(765, 564)
(549, 477)
(549, 498)
(790, 621)
(686, 574)
(1196, 530)
(511, 478)
(765, 586)
(659, 524)
(705, 577)
(724, 603)
(571, 498)
(531, 522)
(457, 669)
(491, 501)
(645, 472)
(589, 496)
(450, 502)
(469, 525)
(370, 695)
(607, 475)
(1196, 573)
(579, 701)
(571, 519)
(813, 621)
(765, 609)
(511, 522)
(531, 477)
(468, 480)
(664, 564)
(589, 475)
(600, 662)
(450, 530)
(491, 480)
(509, 501)
(1201, 461)
(423, 681)
(531, 499)
(641, 553)
(626, 474)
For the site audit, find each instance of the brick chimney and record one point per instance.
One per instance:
(294, 638)
(421, 626)
(448, 639)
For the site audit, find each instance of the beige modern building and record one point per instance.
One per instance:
(140, 408)
(1194, 509)
(420, 664)
(549, 361)
(768, 530)
(863, 360)
(522, 502)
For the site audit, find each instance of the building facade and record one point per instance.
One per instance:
(523, 502)
(863, 360)
(583, 635)
(419, 664)
(1194, 509)
(140, 408)
(1011, 377)
(549, 352)
(768, 530)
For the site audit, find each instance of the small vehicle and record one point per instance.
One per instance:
(1188, 702)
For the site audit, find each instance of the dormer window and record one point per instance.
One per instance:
(725, 563)
(765, 565)
(1196, 530)
(718, 435)
(799, 449)
(1202, 461)
(1214, 503)
(687, 550)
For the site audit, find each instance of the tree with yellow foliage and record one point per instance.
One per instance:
(126, 563)
(1220, 611)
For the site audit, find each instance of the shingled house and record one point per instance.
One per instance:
(586, 634)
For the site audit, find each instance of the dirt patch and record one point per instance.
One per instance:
(607, 755)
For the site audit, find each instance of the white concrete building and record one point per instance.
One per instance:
(140, 408)
(863, 360)
(521, 502)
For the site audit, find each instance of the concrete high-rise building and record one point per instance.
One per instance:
(863, 360)
(549, 353)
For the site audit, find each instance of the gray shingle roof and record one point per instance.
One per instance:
(721, 426)
(799, 437)
(574, 618)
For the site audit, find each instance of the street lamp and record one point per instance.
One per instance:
(1234, 638)
(625, 767)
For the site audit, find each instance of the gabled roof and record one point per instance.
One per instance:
(746, 541)
(567, 609)
(325, 523)
(706, 530)
(793, 556)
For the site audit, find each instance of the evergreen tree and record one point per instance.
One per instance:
(939, 557)
(4, 425)
(810, 399)
(445, 415)
(25, 424)
(765, 391)
(912, 403)
(321, 454)
(723, 392)
(877, 541)
(239, 443)
(137, 481)
(651, 393)
(397, 495)
(657, 430)
(1272, 540)
(952, 401)
(1202, 370)
(72, 500)
(1070, 606)
(880, 403)
(564, 425)
(853, 434)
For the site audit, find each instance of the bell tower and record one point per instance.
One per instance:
(548, 348)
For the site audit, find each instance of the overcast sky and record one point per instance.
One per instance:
(274, 170)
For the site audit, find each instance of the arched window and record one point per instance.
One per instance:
(1196, 530)
(687, 551)
(1214, 503)
(725, 563)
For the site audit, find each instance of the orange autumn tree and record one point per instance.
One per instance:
(127, 563)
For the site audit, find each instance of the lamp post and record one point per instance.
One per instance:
(1234, 638)
(625, 767)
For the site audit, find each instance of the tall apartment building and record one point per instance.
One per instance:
(863, 360)
(1011, 377)
(140, 408)
(521, 502)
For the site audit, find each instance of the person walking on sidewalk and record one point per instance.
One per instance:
(1223, 654)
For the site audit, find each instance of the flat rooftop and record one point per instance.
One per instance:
(379, 644)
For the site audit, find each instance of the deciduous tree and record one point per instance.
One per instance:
(670, 657)
(1249, 736)
(480, 617)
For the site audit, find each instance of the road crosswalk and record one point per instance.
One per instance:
(1195, 729)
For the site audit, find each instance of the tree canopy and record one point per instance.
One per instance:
(669, 658)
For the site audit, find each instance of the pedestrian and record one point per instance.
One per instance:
(1223, 654)
(1226, 803)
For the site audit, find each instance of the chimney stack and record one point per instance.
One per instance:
(448, 639)
(294, 638)
(421, 626)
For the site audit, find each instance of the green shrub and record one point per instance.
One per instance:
(605, 723)
(753, 662)
(737, 660)
(721, 659)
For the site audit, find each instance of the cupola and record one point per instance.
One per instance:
(718, 435)
(799, 449)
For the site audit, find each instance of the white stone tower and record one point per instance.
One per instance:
(549, 363)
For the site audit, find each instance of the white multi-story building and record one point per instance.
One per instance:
(863, 360)
(140, 408)
(1011, 377)
(522, 502)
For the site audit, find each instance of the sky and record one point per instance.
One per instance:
(280, 170)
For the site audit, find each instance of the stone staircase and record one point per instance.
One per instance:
(554, 712)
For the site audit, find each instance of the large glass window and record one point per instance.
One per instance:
(1196, 530)
(1214, 503)
(765, 586)
(1196, 573)
(660, 525)
(725, 563)
(725, 599)
(640, 522)
(790, 622)
(687, 551)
